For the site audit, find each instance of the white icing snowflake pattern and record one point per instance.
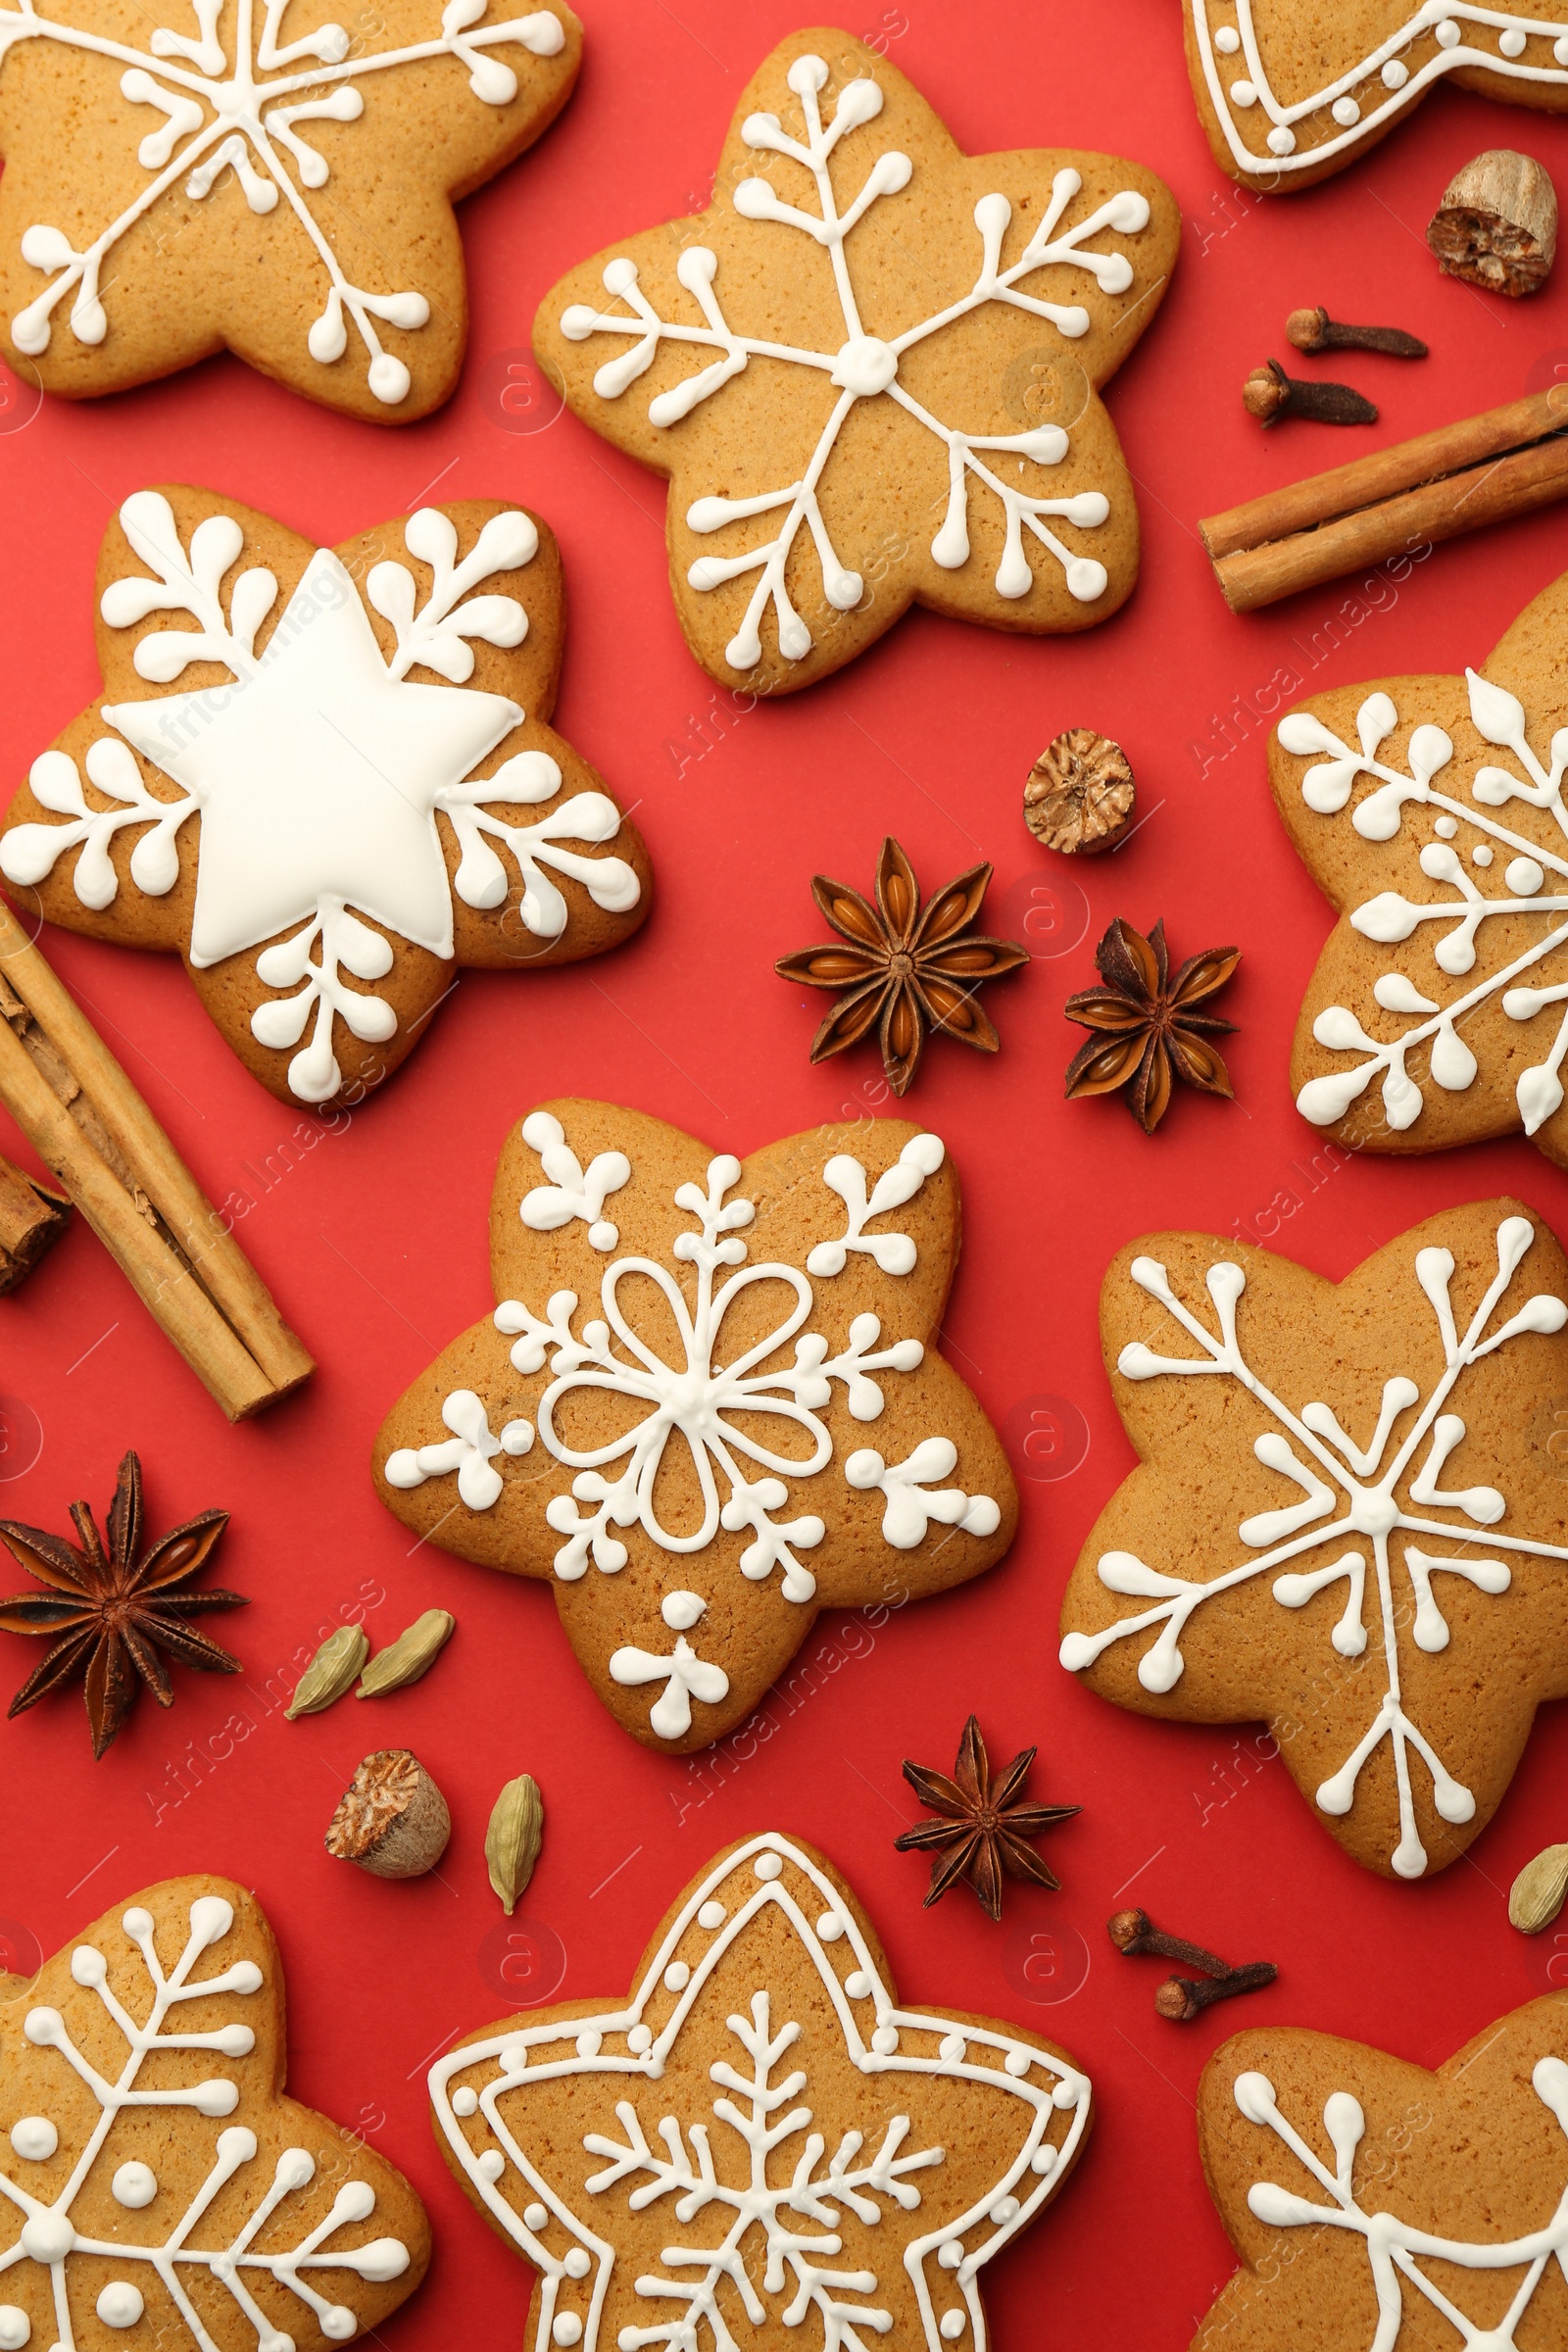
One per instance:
(1348, 1495)
(1394, 2249)
(320, 772)
(760, 2210)
(230, 97)
(48, 2237)
(865, 366)
(1362, 99)
(1462, 854)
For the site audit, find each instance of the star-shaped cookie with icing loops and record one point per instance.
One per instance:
(761, 2143)
(870, 371)
(251, 175)
(328, 780)
(707, 1406)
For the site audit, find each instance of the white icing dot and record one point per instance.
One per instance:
(1005, 2210)
(602, 1235)
(466, 2101)
(711, 1916)
(953, 2047)
(950, 2253)
(1227, 40)
(1282, 141)
(953, 2324)
(577, 2264)
(1067, 2092)
(1446, 827)
(134, 2186)
(1346, 112)
(1447, 34)
(1044, 2159)
(491, 2163)
(1481, 854)
(1243, 94)
(1560, 50)
(677, 1976)
(640, 2040)
(830, 1927)
(536, 2218)
(88, 1965)
(885, 2041)
(857, 1985)
(1017, 2062)
(121, 2304)
(566, 2327)
(1395, 74)
(137, 1922)
(768, 1865)
(1512, 42)
(681, 1610)
(15, 2327)
(35, 2137)
(588, 2042)
(1524, 877)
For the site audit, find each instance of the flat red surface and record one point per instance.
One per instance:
(373, 1234)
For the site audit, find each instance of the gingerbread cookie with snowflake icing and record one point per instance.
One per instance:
(871, 371)
(1374, 2204)
(1288, 95)
(1347, 1522)
(861, 2163)
(156, 2184)
(1430, 812)
(253, 175)
(327, 779)
(709, 1405)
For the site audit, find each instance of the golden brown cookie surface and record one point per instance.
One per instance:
(761, 2144)
(179, 180)
(1373, 2203)
(871, 371)
(709, 1404)
(154, 2178)
(328, 779)
(1345, 1522)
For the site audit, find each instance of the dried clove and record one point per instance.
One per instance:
(1180, 1999)
(1269, 394)
(1134, 1933)
(1315, 330)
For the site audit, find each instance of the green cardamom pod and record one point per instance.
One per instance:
(331, 1671)
(413, 1653)
(511, 1842)
(1537, 1894)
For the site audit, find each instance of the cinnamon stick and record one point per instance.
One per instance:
(86, 1121)
(1477, 470)
(32, 1217)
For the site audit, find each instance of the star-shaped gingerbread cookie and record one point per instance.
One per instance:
(1347, 1522)
(871, 371)
(860, 2165)
(154, 2178)
(253, 175)
(1376, 2205)
(1430, 812)
(329, 781)
(709, 1405)
(1289, 94)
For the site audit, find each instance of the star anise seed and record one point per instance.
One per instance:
(113, 1608)
(1150, 1030)
(905, 971)
(982, 1827)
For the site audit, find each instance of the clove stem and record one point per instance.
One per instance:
(1269, 394)
(1134, 1932)
(1181, 2001)
(1315, 330)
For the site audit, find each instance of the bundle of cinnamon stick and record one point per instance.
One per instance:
(1481, 470)
(88, 1124)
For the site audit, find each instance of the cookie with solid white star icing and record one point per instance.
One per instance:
(709, 1405)
(870, 371)
(327, 779)
(761, 2143)
(254, 175)
(1346, 1521)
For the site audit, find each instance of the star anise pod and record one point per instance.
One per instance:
(981, 1829)
(1151, 1031)
(905, 970)
(113, 1608)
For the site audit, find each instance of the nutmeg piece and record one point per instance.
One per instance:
(392, 1818)
(1497, 225)
(1079, 795)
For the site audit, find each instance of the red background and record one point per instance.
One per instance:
(373, 1238)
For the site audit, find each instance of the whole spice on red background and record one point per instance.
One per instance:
(1315, 330)
(1269, 394)
(1497, 225)
(392, 1818)
(982, 1827)
(1079, 795)
(1179, 1998)
(903, 970)
(114, 1607)
(1149, 1030)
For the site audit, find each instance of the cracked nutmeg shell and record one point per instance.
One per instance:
(392, 1818)
(1497, 225)
(1079, 795)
